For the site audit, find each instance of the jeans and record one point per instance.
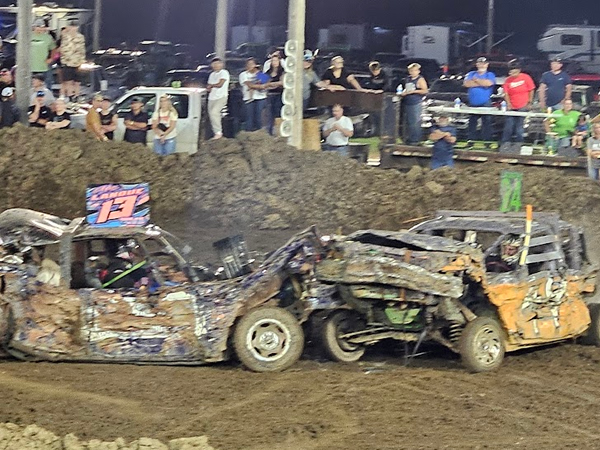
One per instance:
(593, 172)
(513, 126)
(164, 148)
(275, 105)
(486, 126)
(254, 110)
(436, 163)
(342, 150)
(49, 77)
(412, 122)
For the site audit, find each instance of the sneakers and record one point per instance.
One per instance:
(216, 136)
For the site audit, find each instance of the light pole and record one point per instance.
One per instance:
(490, 27)
(221, 29)
(296, 26)
(97, 23)
(23, 81)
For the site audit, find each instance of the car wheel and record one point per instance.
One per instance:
(481, 345)
(268, 340)
(337, 348)
(592, 335)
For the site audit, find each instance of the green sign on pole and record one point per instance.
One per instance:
(510, 190)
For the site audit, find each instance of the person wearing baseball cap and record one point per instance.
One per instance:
(519, 89)
(480, 84)
(42, 45)
(39, 114)
(136, 123)
(555, 86)
(9, 113)
(108, 118)
(444, 137)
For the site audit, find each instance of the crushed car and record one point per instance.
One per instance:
(477, 282)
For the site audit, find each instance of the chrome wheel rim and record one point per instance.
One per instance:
(268, 340)
(488, 346)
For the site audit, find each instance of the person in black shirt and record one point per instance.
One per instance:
(61, 119)
(6, 78)
(136, 123)
(338, 77)
(39, 114)
(378, 80)
(275, 89)
(9, 113)
(108, 119)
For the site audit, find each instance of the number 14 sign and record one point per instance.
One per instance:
(118, 205)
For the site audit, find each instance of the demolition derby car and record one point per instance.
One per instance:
(478, 283)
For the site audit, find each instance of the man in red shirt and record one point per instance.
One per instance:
(518, 94)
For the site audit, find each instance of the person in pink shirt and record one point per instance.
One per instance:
(519, 89)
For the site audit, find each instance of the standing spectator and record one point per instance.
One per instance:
(275, 89)
(108, 119)
(39, 113)
(337, 131)
(92, 119)
(61, 119)
(42, 45)
(136, 123)
(378, 80)
(593, 152)
(518, 93)
(582, 131)
(338, 77)
(310, 79)
(444, 137)
(56, 59)
(164, 123)
(9, 113)
(480, 84)
(563, 122)
(72, 56)
(415, 87)
(37, 85)
(555, 86)
(6, 78)
(254, 95)
(218, 87)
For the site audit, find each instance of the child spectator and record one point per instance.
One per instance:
(444, 136)
(582, 131)
(593, 152)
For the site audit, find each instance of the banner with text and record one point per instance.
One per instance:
(118, 205)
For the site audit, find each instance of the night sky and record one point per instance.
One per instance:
(192, 21)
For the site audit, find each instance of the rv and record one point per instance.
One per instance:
(579, 43)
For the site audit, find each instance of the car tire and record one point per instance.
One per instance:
(592, 335)
(268, 339)
(338, 349)
(481, 345)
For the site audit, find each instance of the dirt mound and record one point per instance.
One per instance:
(260, 182)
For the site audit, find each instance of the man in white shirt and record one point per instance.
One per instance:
(218, 87)
(254, 94)
(337, 131)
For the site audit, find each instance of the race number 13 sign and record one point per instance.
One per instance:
(118, 205)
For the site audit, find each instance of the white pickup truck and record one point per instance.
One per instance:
(187, 101)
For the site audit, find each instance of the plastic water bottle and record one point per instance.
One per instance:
(503, 106)
(399, 89)
(457, 102)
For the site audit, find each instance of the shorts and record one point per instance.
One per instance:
(70, 73)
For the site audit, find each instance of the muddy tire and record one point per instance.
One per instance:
(268, 340)
(336, 348)
(481, 345)
(592, 335)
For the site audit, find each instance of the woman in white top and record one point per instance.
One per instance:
(164, 121)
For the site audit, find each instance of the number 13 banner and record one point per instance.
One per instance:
(118, 205)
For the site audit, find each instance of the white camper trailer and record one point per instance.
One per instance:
(573, 42)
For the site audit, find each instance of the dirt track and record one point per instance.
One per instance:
(545, 399)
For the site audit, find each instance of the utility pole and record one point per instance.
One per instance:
(23, 81)
(490, 27)
(97, 24)
(221, 29)
(251, 19)
(296, 29)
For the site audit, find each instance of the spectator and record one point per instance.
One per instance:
(61, 119)
(338, 77)
(164, 123)
(72, 56)
(6, 78)
(444, 137)
(273, 52)
(378, 80)
(56, 58)
(563, 122)
(480, 84)
(108, 119)
(518, 94)
(337, 131)
(311, 79)
(254, 95)
(218, 87)
(593, 152)
(555, 86)
(92, 119)
(39, 113)
(9, 113)
(415, 87)
(136, 123)
(582, 131)
(37, 85)
(42, 45)
(275, 89)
